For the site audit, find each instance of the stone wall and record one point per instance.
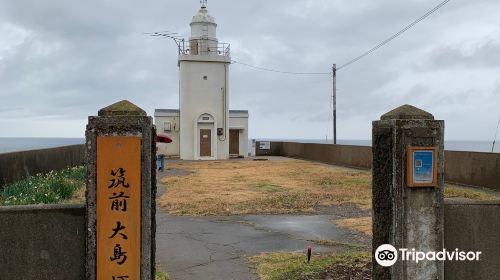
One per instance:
(42, 242)
(19, 165)
(465, 168)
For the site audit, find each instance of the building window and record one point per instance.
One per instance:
(167, 126)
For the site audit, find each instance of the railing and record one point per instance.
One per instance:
(204, 47)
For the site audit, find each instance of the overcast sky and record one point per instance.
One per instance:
(61, 61)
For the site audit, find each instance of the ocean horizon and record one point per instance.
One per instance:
(16, 144)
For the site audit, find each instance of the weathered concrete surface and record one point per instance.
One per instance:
(218, 247)
(315, 227)
(123, 119)
(343, 155)
(42, 242)
(19, 165)
(473, 226)
(472, 168)
(406, 217)
(381, 192)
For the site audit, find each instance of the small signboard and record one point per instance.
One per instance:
(118, 207)
(264, 145)
(421, 167)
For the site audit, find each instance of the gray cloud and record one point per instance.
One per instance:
(480, 55)
(61, 61)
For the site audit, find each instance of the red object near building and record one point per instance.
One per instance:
(162, 138)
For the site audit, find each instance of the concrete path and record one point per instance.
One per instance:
(217, 248)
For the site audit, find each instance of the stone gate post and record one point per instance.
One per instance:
(121, 191)
(407, 188)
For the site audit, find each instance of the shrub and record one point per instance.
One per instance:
(52, 187)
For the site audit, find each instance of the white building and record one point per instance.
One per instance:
(204, 127)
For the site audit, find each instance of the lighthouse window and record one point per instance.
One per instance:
(205, 77)
(167, 126)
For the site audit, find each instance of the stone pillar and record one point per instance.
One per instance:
(121, 192)
(408, 214)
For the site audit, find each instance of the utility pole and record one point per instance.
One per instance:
(334, 96)
(495, 138)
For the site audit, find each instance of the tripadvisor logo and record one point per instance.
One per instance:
(386, 255)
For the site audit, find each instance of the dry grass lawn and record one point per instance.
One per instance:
(362, 224)
(78, 196)
(272, 187)
(451, 191)
(235, 187)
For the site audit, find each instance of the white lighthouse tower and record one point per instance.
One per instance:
(204, 127)
(204, 94)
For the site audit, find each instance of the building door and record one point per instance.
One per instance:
(205, 142)
(234, 142)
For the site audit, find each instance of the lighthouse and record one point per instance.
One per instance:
(203, 128)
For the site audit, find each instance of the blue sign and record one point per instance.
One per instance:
(423, 163)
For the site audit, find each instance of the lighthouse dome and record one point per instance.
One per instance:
(203, 25)
(202, 16)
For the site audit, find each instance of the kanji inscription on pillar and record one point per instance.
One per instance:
(118, 208)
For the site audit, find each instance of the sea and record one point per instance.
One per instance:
(23, 144)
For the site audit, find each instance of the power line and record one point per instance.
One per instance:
(279, 71)
(378, 46)
(395, 35)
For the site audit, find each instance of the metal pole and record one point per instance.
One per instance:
(334, 96)
(495, 138)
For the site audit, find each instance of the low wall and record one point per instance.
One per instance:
(472, 168)
(344, 155)
(465, 168)
(473, 226)
(42, 242)
(19, 165)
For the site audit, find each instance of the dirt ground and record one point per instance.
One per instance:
(237, 187)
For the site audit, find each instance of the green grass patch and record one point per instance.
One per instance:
(269, 188)
(335, 243)
(285, 266)
(327, 182)
(161, 276)
(53, 187)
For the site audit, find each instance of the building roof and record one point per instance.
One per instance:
(167, 110)
(238, 111)
(177, 111)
